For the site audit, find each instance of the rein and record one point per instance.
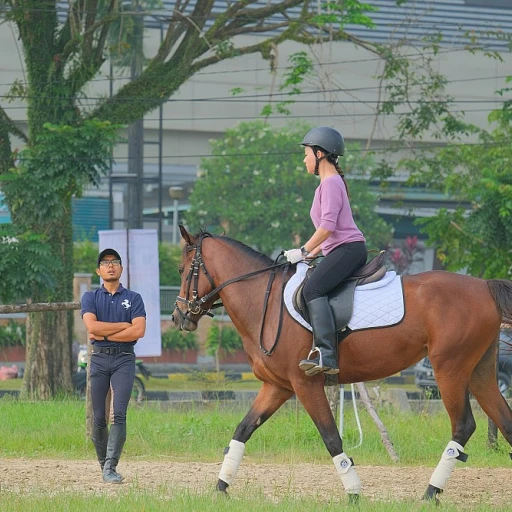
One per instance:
(195, 304)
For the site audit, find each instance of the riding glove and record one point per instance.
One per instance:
(294, 255)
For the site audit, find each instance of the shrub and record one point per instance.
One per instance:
(226, 338)
(12, 334)
(180, 341)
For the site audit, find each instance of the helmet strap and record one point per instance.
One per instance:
(318, 160)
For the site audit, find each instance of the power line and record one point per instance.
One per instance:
(316, 64)
(427, 147)
(244, 97)
(99, 100)
(291, 116)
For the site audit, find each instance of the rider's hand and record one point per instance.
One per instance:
(294, 255)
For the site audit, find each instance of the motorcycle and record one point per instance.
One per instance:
(80, 377)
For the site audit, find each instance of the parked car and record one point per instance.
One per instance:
(425, 379)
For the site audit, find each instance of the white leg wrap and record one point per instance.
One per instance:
(445, 467)
(232, 461)
(347, 473)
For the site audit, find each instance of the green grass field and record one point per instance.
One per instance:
(56, 429)
(188, 432)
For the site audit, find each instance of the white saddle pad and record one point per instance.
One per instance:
(378, 304)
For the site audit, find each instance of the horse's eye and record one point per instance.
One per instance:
(180, 269)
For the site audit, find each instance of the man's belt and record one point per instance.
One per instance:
(113, 350)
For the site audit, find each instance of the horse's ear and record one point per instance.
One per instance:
(186, 235)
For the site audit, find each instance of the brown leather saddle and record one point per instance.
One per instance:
(341, 298)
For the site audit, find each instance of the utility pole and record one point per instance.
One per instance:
(136, 132)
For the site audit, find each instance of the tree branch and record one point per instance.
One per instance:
(100, 45)
(11, 127)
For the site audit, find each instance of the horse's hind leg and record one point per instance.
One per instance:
(312, 397)
(266, 403)
(455, 395)
(485, 389)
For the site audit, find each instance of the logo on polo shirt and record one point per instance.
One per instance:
(126, 304)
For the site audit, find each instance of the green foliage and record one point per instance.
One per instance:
(257, 189)
(26, 264)
(180, 341)
(431, 112)
(477, 239)
(347, 12)
(13, 334)
(224, 338)
(85, 255)
(55, 167)
(301, 67)
(38, 193)
(169, 258)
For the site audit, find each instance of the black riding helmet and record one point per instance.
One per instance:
(326, 138)
(329, 140)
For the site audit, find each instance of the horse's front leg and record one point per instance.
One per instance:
(266, 403)
(313, 398)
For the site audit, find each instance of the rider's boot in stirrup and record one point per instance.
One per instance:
(324, 354)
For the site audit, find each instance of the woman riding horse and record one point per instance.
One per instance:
(336, 236)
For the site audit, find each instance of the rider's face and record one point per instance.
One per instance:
(309, 159)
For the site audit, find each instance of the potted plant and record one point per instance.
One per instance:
(12, 341)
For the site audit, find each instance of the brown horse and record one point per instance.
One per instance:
(453, 318)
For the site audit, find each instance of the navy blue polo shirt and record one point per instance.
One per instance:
(123, 306)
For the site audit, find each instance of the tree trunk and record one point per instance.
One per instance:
(47, 368)
(48, 364)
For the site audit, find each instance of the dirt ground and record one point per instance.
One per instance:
(467, 485)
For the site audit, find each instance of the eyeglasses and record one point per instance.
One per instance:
(107, 263)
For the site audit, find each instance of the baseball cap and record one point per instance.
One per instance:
(108, 252)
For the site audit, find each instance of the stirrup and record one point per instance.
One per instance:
(311, 361)
(315, 366)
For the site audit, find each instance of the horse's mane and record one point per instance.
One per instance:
(249, 251)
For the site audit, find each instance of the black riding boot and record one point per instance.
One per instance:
(116, 439)
(100, 440)
(325, 340)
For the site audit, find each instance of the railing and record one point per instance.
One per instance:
(167, 298)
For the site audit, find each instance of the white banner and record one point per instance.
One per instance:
(138, 249)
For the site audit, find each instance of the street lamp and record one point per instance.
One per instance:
(175, 193)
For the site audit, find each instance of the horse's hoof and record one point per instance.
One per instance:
(222, 487)
(431, 494)
(353, 499)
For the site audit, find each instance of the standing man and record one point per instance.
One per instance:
(115, 318)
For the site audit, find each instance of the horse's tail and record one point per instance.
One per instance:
(501, 290)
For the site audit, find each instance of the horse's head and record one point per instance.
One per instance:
(194, 300)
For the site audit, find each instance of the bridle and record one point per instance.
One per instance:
(192, 300)
(195, 304)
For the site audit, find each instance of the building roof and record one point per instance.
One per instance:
(457, 20)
